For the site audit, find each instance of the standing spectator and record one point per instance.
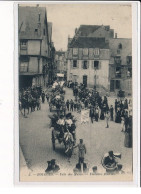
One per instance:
(111, 112)
(116, 103)
(107, 119)
(43, 97)
(96, 114)
(91, 115)
(68, 104)
(122, 125)
(71, 105)
(75, 105)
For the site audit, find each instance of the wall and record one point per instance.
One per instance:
(102, 73)
(33, 47)
(33, 65)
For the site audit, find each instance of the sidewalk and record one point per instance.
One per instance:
(24, 170)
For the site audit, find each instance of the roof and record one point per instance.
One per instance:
(60, 53)
(89, 42)
(86, 30)
(28, 21)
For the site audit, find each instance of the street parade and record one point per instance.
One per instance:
(75, 95)
(64, 124)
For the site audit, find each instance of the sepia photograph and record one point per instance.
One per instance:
(75, 92)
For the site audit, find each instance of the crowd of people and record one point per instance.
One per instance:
(31, 98)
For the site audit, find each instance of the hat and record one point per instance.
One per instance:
(53, 161)
(110, 153)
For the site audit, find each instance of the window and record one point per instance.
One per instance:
(117, 60)
(118, 72)
(85, 64)
(23, 44)
(120, 46)
(74, 63)
(117, 84)
(75, 51)
(24, 67)
(129, 72)
(129, 60)
(118, 51)
(85, 51)
(96, 65)
(36, 30)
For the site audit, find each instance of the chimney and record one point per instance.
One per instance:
(115, 35)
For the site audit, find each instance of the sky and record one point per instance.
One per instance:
(67, 17)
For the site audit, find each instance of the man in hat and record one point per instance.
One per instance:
(110, 160)
(54, 166)
(49, 167)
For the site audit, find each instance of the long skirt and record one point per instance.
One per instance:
(127, 140)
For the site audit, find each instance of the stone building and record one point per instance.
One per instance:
(88, 61)
(35, 46)
(61, 62)
(120, 65)
(97, 58)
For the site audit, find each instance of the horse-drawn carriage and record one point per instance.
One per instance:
(63, 130)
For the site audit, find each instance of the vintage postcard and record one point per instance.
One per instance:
(75, 92)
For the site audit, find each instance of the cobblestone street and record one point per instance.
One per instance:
(36, 145)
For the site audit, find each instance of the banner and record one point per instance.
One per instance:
(84, 116)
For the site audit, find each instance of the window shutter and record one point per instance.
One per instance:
(77, 64)
(99, 64)
(88, 64)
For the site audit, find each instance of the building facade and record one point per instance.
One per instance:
(35, 48)
(97, 58)
(88, 62)
(61, 62)
(120, 65)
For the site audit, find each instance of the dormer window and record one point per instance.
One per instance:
(75, 51)
(96, 52)
(85, 51)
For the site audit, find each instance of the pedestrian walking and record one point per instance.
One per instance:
(81, 151)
